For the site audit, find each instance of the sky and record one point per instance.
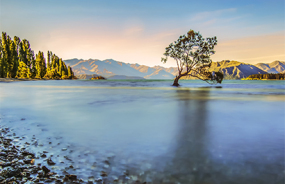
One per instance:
(133, 31)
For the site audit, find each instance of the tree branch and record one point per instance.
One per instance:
(177, 64)
(200, 78)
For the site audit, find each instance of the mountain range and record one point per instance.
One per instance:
(274, 67)
(110, 68)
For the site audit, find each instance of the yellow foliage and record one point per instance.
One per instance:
(24, 71)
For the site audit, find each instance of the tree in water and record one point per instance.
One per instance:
(192, 55)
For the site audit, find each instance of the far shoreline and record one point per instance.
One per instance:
(17, 80)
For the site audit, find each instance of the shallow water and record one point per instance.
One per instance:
(196, 133)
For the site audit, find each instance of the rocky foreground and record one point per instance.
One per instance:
(17, 165)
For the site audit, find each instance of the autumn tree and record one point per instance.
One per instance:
(23, 71)
(48, 61)
(15, 56)
(69, 72)
(33, 67)
(1, 58)
(6, 55)
(40, 65)
(17, 59)
(192, 55)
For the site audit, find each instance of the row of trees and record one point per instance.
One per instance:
(17, 60)
(278, 76)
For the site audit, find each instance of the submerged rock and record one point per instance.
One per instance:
(8, 172)
(50, 162)
(17, 165)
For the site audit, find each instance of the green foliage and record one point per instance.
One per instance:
(40, 65)
(52, 74)
(48, 63)
(17, 59)
(6, 55)
(219, 77)
(1, 58)
(23, 72)
(192, 55)
(98, 78)
(69, 72)
(278, 76)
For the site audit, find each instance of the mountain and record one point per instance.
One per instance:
(160, 74)
(105, 68)
(120, 70)
(110, 67)
(274, 67)
(235, 69)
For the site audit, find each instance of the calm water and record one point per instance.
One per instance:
(151, 131)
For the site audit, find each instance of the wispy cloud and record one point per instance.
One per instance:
(212, 14)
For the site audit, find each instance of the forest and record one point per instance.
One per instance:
(278, 76)
(17, 60)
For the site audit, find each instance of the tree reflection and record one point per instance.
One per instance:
(190, 162)
(193, 157)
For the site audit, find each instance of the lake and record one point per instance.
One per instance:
(148, 130)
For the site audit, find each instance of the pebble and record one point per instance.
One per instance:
(17, 165)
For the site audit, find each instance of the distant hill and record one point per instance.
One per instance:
(110, 68)
(274, 67)
(160, 74)
(235, 69)
(85, 76)
(124, 77)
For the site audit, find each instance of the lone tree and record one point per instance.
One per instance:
(192, 54)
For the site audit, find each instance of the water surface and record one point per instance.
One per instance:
(197, 133)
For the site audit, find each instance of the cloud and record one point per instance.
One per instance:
(212, 14)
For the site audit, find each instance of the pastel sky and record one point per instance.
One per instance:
(133, 31)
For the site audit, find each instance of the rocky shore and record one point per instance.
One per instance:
(18, 165)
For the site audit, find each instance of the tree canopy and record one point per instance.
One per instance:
(17, 60)
(192, 55)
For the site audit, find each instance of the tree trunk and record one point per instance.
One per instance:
(175, 83)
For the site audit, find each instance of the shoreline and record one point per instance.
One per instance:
(19, 165)
(26, 158)
(264, 79)
(17, 80)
